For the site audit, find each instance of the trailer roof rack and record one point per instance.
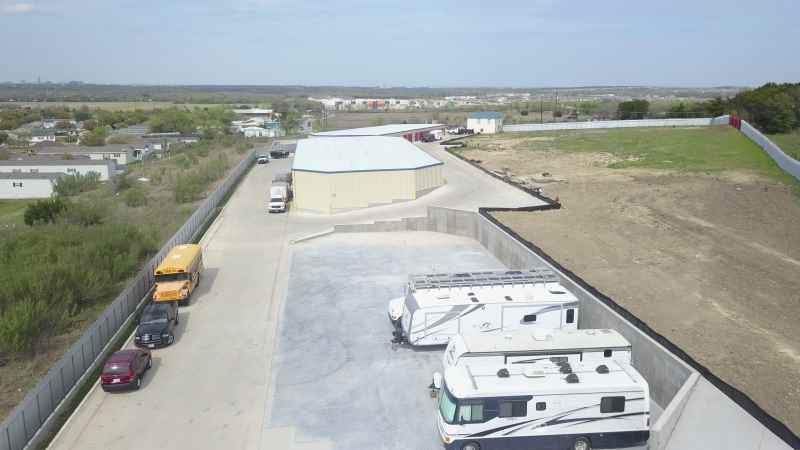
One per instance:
(488, 278)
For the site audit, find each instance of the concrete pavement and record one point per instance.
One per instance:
(208, 390)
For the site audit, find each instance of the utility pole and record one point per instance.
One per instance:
(541, 110)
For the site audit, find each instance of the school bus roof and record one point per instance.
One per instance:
(179, 259)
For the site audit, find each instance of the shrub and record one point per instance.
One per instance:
(85, 213)
(135, 198)
(76, 184)
(121, 183)
(22, 323)
(43, 211)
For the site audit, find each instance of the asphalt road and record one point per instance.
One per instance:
(208, 390)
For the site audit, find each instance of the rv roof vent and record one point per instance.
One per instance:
(572, 378)
(564, 367)
(470, 293)
(443, 296)
(540, 335)
(558, 359)
(556, 291)
(508, 298)
(602, 368)
(503, 373)
(530, 372)
(474, 299)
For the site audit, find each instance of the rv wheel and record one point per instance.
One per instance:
(471, 446)
(581, 443)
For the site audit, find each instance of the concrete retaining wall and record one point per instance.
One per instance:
(693, 122)
(784, 161)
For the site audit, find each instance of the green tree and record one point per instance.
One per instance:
(82, 114)
(3, 138)
(172, 120)
(677, 111)
(290, 121)
(588, 108)
(634, 109)
(715, 107)
(96, 137)
(64, 125)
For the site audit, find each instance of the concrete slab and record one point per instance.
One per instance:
(712, 421)
(336, 376)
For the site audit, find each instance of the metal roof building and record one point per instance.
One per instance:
(410, 131)
(346, 173)
(489, 122)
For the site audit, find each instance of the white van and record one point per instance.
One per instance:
(523, 347)
(437, 307)
(542, 405)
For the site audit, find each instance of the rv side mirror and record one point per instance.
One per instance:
(437, 381)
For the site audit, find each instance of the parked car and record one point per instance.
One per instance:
(262, 159)
(156, 326)
(125, 370)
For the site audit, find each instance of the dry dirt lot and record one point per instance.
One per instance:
(709, 260)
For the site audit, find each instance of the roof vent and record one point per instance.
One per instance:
(503, 373)
(508, 298)
(558, 359)
(564, 367)
(602, 368)
(540, 335)
(474, 299)
(530, 372)
(572, 378)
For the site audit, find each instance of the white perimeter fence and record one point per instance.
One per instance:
(36, 409)
(784, 161)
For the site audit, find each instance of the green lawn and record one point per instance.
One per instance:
(700, 149)
(789, 143)
(11, 211)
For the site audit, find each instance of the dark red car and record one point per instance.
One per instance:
(125, 369)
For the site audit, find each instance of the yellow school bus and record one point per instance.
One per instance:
(178, 274)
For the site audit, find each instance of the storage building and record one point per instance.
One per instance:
(105, 168)
(27, 185)
(487, 122)
(412, 132)
(346, 173)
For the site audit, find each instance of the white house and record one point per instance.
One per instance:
(122, 154)
(27, 185)
(105, 168)
(39, 135)
(488, 122)
(261, 113)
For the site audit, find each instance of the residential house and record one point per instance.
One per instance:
(24, 185)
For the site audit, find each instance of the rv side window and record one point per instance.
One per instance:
(612, 404)
(529, 318)
(514, 409)
(570, 315)
(470, 412)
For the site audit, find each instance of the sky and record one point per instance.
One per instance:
(441, 43)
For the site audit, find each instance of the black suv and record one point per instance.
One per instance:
(157, 325)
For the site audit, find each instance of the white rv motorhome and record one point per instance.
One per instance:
(543, 405)
(437, 307)
(523, 347)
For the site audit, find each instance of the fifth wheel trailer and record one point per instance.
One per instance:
(437, 307)
(523, 347)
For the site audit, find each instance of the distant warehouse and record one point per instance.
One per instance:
(105, 168)
(412, 132)
(488, 122)
(346, 173)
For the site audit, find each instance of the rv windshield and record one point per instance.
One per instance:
(447, 405)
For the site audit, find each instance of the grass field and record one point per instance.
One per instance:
(11, 212)
(110, 106)
(789, 143)
(700, 149)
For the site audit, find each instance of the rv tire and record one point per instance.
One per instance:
(581, 443)
(471, 446)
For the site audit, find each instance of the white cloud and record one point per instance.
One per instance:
(16, 8)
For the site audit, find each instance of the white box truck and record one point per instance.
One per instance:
(437, 307)
(278, 196)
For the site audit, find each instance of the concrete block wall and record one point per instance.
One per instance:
(691, 122)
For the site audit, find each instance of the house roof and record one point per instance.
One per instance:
(359, 154)
(83, 149)
(486, 115)
(43, 132)
(30, 176)
(58, 162)
(381, 130)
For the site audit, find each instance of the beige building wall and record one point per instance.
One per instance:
(333, 192)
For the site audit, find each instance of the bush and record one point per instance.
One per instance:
(192, 185)
(76, 184)
(43, 211)
(85, 213)
(135, 198)
(121, 183)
